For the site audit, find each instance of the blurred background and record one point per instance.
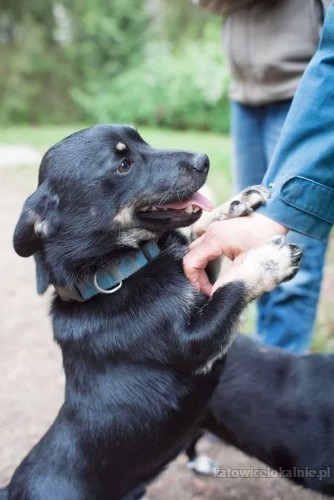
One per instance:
(66, 65)
(152, 62)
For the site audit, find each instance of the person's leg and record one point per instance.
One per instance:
(289, 312)
(249, 165)
(286, 316)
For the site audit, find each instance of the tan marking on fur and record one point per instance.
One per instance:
(125, 217)
(133, 237)
(41, 228)
(129, 235)
(32, 216)
(120, 146)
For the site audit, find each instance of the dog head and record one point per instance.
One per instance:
(103, 189)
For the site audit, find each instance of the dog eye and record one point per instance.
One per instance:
(124, 167)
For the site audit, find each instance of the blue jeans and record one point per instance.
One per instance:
(286, 316)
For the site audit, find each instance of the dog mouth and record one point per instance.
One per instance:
(190, 208)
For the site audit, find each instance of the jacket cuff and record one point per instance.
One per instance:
(299, 205)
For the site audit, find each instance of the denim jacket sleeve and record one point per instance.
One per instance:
(301, 174)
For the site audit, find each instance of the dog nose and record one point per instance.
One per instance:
(201, 163)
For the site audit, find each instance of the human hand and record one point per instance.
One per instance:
(231, 238)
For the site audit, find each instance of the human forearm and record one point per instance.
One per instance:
(301, 174)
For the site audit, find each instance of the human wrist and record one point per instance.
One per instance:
(269, 225)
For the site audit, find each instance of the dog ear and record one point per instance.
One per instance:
(38, 221)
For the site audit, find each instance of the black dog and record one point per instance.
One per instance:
(138, 362)
(279, 408)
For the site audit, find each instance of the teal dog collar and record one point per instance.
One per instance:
(110, 279)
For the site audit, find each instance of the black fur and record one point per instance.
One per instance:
(134, 361)
(277, 407)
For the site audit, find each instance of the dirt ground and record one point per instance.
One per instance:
(31, 382)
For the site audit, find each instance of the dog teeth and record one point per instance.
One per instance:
(152, 209)
(191, 209)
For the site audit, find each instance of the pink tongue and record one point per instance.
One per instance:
(197, 199)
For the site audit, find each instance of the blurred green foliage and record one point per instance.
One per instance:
(153, 62)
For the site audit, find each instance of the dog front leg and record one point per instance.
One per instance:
(212, 330)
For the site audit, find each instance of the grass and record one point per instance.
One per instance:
(219, 150)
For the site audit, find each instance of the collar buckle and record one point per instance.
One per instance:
(108, 291)
(110, 279)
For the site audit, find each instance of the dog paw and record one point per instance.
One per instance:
(266, 267)
(255, 196)
(270, 265)
(202, 465)
(291, 260)
(245, 202)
